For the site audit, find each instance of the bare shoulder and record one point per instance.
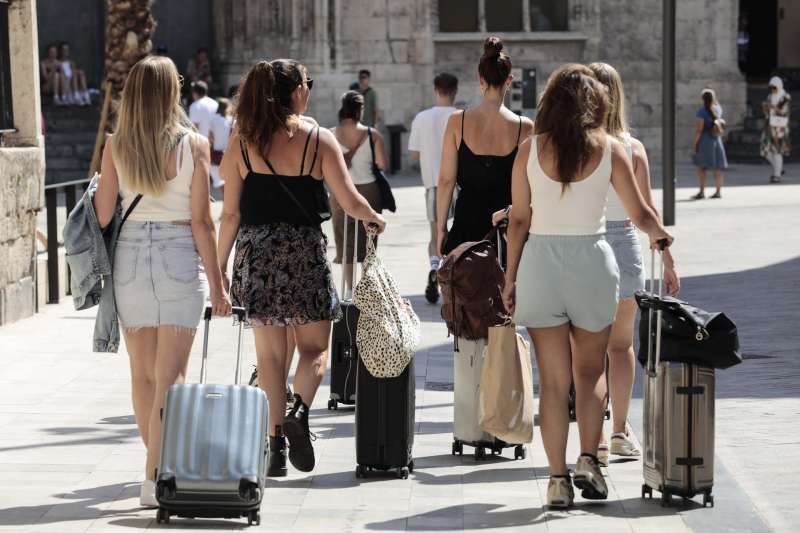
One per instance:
(454, 122)
(327, 139)
(527, 127)
(309, 120)
(638, 148)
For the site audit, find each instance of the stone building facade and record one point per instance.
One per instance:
(406, 42)
(21, 162)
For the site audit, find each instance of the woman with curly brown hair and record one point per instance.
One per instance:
(275, 201)
(562, 281)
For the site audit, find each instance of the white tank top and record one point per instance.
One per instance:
(361, 163)
(615, 211)
(580, 210)
(172, 204)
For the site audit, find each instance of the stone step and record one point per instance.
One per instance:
(53, 176)
(67, 163)
(78, 137)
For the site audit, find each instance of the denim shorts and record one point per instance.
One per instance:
(567, 278)
(158, 277)
(624, 241)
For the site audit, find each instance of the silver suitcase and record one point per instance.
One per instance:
(213, 446)
(678, 420)
(467, 369)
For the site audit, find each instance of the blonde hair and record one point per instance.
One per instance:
(616, 123)
(150, 120)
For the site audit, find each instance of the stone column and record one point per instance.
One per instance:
(21, 168)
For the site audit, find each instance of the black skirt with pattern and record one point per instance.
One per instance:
(281, 275)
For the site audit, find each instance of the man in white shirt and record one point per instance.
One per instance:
(425, 145)
(202, 108)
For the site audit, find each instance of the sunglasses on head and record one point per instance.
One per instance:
(309, 83)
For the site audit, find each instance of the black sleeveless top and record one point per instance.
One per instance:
(270, 198)
(485, 187)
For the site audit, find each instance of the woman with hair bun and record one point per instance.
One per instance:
(275, 201)
(353, 137)
(480, 145)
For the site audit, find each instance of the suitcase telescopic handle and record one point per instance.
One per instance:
(653, 362)
(344, 257)
(239, 313)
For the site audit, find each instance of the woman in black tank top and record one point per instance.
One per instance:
(275, 202)
(480, 167)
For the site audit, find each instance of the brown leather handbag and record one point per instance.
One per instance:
(471, 282)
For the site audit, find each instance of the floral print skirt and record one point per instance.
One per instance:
(281, 275)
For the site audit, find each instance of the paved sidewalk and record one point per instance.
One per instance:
(70, 455)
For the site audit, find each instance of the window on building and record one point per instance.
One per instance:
(458, 15)
(502, 15)
(548, 15)
(6, 110)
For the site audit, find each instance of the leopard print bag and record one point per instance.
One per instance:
(388, 330)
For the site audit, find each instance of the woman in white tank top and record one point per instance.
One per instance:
(165, 258)
(563, 287)
(623, 237)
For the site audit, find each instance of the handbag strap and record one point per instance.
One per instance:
(130, 209)
(371, 146)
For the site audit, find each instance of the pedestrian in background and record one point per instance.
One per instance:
(622, 236)
(562, 279)
(165, 259)
(199, 68)
(202, 109)
(775, 141)
(478, 154)
(353, 137)
(273, 170)
(371, 114)
(219, 132)
(709, 152)
(425, 145)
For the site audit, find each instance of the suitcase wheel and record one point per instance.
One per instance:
(666, 499)
(708, 500)
(458, 448)
(480, 453)
(519, 452)
(608, 414)
(361, 471)
(646, 491)
(333, 405)
(162, 516)
(254, 518)
(411, 466)
(402, 473)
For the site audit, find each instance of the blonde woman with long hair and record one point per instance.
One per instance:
(165, 258)
(622, 235)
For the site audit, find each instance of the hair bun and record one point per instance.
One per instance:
(492, 47)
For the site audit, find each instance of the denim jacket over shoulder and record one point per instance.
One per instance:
(90, 252)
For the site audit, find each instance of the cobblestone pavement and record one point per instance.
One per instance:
(70, 456)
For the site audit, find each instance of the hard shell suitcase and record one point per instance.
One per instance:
(213, 447)
(467, 368)
(678, 456)
(344, 353)
(385, 420)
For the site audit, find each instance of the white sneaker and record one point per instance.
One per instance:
(57, 100)
(622, 444)
(147, 494)
(589, 478)
(559, 492)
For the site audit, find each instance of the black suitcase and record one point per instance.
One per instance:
(344, 353)
(385, 422)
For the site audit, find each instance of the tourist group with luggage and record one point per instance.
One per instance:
(543, 236)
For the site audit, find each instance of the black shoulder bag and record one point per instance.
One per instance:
(387, 198)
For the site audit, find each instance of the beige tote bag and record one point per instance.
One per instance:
(505, 407)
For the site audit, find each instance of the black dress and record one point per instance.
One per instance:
(281, 274)
(484, 187)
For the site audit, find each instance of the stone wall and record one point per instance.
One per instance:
(21, 169)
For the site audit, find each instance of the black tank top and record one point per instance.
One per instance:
(485, 187)
(265, 199)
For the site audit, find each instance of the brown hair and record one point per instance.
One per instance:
(573, 106)
(352, 106)
(446, 84)
(616, 119)
(710, 102)
(264, 101)
(495, 64)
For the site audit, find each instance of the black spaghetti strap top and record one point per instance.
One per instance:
(484, 187)
(265, 201)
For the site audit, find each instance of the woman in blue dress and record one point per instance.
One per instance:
(709, 152)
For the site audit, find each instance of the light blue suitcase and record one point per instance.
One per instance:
(213, 447)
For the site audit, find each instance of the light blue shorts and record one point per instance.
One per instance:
(158, 277)
(624, 241)
(567, 278)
